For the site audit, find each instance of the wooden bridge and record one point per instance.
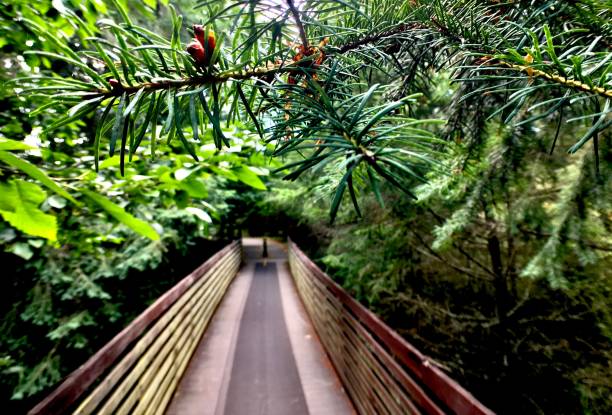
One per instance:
(244, 334)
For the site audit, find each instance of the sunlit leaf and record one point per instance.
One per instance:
(35, 173)
(139, 226)
(199, 213)
(246, 176)
(19, 206)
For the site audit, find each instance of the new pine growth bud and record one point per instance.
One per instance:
(199, 32)
(202, 47)
(115, 84)
(197, 52)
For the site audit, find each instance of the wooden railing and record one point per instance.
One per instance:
(381, 372)
(139, 369)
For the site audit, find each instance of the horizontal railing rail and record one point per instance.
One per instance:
(381, 372)
(139, 369)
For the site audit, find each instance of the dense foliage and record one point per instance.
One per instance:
(462, 147)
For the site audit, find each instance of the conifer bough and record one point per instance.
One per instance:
(320, 102)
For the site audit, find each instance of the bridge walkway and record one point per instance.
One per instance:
(260, 354)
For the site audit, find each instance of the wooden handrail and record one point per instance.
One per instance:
(79, 381)
(433, 392)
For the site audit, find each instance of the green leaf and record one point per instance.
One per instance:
(56, 202)
(375, 187)
(382, 113)
(118, 124)
(246, 176)
(7, 144)
(36, 243)
(170, 103)
(99, 133)
(193, 116)
(113, 161)
(249, 111)
(19, 207)
(362, 104)
(551, 50)
(179, 131)
(200, 214)
(84, 104)
(353, 195)
(128, 126)
(132, 105)
(196, 188)
(143, 127)
(35, 173)
(139, 226)
(594, 128)
(76, 62)
(22, 250)
(122, 12)
(335, 205)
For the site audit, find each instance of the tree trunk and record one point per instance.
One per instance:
(502, 292)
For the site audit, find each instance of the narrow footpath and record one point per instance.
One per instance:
(260, 355)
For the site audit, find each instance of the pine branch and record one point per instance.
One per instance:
(298, 22)
(560, 80)
(531, 71)
(147, 79)
(377, 37)
(198, 80)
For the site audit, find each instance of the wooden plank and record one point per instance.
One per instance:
(350, 369)
(375, 391)
(146, 343)
(132, 385)
(326, 318)
(191, 334)
(326, 323)
(413, 390)
(443, 387)
(376, 373)
(345, 369)
(386, 403)
(161, 385)
(143, 344)
(71, 389)
(361, 362)
(174, 381)
(354, 370)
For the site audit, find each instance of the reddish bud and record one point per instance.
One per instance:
(198, 31)
(196, 51)
(208, 43)
(212, 41)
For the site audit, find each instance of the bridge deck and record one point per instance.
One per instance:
(260, 354)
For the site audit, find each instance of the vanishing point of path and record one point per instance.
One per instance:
(260, 355)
